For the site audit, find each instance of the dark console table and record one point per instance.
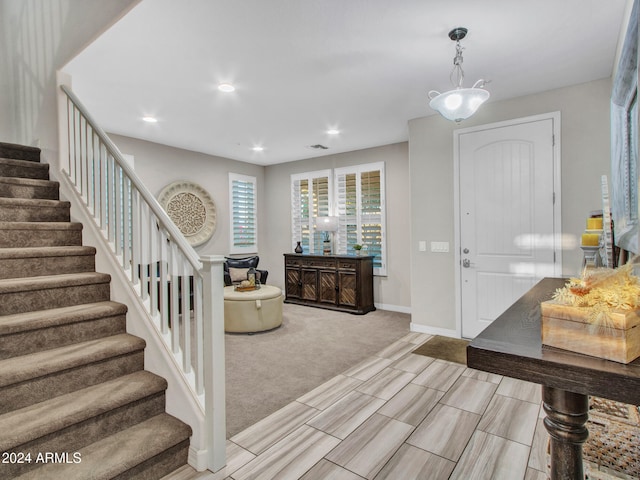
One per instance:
(511, 346)
(335, 282)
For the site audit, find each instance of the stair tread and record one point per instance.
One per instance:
(24, 163)
(123, 450)
(26, 284)
(35, 421)
(22, 322)
(33, 202)
(39, 252)
(18, 369)
(40, 226)
(34, 182)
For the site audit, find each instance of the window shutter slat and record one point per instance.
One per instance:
(244, 230)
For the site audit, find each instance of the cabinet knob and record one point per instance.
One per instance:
(299, 284)
(337, 288)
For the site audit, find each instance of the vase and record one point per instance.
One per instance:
(298, 248)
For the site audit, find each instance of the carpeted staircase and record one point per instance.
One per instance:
(75, 400)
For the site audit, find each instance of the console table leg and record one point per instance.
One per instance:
(567, 414)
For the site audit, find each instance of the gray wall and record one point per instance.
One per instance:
(159, 165)
(391, 291)
(585, 157)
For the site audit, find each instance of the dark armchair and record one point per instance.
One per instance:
(235, 270)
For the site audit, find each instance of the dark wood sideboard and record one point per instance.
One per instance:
(335, 282)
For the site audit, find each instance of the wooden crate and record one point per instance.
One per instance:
(568, 327)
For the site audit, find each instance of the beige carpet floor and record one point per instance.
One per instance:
(266, 371)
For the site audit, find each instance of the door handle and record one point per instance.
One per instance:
(466, 263)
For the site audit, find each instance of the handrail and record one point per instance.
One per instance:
(161, 215)
(178, 294)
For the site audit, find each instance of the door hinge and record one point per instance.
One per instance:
(553, 140)
(553, 199)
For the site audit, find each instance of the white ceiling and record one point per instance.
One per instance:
(303, 66)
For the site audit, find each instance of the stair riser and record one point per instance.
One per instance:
(37, 266)
(12, 190)
(29, 301)
(160, 465)
(39, 238)
(73, 438)
(19, 152)
(39, 389)
(38, 171)
(35, 214)
(33, 341)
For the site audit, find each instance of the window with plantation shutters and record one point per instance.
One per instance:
(310, 197)
(244, 215)
(360, 207)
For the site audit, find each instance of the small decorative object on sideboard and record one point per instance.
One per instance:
(298, 248)
(326, 243)
(598, 315)
(358, 248)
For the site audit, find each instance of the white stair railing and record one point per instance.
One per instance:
(181, 292)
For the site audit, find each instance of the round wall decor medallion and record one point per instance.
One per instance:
(191, 208)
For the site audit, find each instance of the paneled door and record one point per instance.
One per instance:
(506, 217)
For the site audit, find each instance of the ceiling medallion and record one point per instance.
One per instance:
(191, 208)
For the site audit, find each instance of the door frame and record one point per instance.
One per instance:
(557, 205)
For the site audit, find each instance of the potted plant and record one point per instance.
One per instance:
(358, 248)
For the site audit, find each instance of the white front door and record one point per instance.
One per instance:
(506, 211)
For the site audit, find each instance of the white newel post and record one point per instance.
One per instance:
(214, 364)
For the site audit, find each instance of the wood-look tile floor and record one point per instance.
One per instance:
(400, 416)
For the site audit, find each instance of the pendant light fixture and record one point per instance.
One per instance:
(460, 103)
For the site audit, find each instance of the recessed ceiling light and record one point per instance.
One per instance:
(333, 131)
(150, 119)
(257, 148)
(226, 88)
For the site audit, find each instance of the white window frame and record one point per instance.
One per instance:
(252, 248)
(297, 223)
(341, 240)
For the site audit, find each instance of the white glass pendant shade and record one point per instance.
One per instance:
(458, 104)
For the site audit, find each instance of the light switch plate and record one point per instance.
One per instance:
(440, 247)
(422, 246)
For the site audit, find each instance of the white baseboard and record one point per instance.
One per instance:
(445, 332)
(393, 308)
(197, 458)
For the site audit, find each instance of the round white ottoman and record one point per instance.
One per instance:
(253, 311)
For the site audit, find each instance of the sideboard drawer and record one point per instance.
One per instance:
(293, 261)
(320, 263)
(347, 265)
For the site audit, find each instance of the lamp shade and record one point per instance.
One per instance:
(326, 224)
(458, 104)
